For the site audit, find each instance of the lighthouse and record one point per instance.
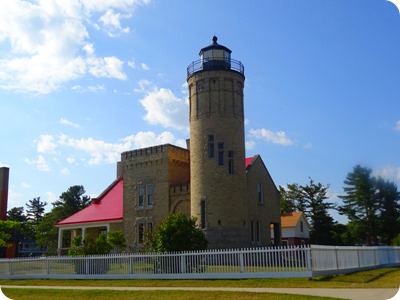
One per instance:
(217, 146)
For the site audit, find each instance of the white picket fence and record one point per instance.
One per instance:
(210, 264)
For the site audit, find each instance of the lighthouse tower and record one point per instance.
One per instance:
(217, 146)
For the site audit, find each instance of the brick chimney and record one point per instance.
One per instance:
(4, 175)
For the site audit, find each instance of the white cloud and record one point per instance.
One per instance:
(89, 49)
(47, 42)
(131, 64)
(40, 163)
(46, 144)
(145, 67)
(166, 109)
(90, 88)
(71, 161)
(51, 197)
(98, 150)
(397, 127)
(112, 22)
(94, 152)
(14, 198)
(270, 136)
(389, 173)
(69, 123)
(144, 86)
(110, 67)
(250, 145)
(149, 138)
(65, 171)
(25, 185)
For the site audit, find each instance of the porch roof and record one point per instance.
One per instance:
(107, 207)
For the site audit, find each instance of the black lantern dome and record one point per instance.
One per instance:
(215, 57)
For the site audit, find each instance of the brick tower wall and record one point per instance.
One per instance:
(216, 108)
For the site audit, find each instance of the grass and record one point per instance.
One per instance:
(378, 278)
(36, 294)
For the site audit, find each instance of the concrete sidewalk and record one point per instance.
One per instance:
(356, 294)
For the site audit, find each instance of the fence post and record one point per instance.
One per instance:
(183, 262)
(241, 261)
(388, 256)
(337, 258)
(10, 267)
(308, 258)
(131, 265)
(87, 266)
(47, 266)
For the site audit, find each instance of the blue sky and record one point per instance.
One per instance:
(82, 81)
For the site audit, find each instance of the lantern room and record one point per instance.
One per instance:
(215, 57)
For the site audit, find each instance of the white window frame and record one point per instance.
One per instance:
(149, 196)
(140, 196)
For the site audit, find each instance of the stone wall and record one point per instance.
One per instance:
(155, 168)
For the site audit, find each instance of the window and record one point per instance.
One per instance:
(255, 232)
(140, 233)
(258, 232)
(203, 214)
(301, 226)
(210, 146)
(221, 154)
(150, 227)
(150, 195)
(260, 193)
(230, 162)
(141, 196)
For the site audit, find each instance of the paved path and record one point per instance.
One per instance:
(356, 294)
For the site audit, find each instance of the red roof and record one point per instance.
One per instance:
(248, 161)
(107, 207)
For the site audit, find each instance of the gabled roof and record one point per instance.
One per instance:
(107, 207)
(250, 161)
(291, 219)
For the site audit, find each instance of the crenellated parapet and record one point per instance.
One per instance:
(179, 189)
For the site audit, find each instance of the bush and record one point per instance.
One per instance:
(103, 244)
(176, 232)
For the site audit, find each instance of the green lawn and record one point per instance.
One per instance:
(32, 294)
(379, 278)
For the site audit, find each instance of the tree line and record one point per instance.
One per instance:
(370, 203)
(38, 225)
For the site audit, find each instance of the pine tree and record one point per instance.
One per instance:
(311, 200)
(35, 210)
(360, 203)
